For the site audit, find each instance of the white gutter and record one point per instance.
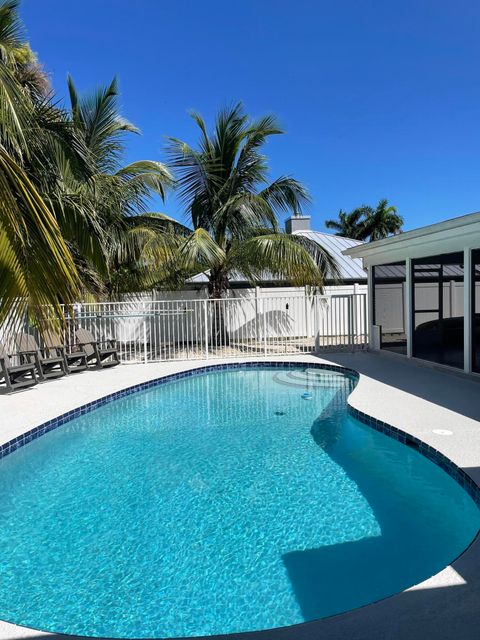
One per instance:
(449, 236)
(461, 226)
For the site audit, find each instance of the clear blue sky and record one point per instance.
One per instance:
(379, 99)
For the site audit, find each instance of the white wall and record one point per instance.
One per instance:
(390, 303)
(181, 317)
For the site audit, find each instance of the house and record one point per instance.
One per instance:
(424, 293)
(353, 277)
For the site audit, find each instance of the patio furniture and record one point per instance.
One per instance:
(104, 353)
(75, 361)
(15, 376)
(47, 366)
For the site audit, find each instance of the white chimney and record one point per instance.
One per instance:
(297, 223)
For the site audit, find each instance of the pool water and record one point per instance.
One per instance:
(221, 502)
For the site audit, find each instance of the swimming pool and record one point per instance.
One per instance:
(226, 501)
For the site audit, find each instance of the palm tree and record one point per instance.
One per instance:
(36, 267)
(67, 205)
(128, 247)
(350, 225)
(383, 221)
(233, 211)
(367, 223)
(233, 208)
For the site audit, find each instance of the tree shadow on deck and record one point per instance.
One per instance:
(325, 576)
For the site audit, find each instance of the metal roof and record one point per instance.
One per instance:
(426, 270)
(350, 269)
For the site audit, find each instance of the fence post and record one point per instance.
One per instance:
(264, 327)
(205, 328)
(145, 356)
(366, 322)
(350, 321)
(354, 319)
(307, 312)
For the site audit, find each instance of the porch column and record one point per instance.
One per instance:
(370, 295)
(408, 306)
(467, 310)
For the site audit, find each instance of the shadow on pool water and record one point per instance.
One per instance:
(355, 573)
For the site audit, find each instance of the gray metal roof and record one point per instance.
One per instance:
(350, 268)
(428, 270)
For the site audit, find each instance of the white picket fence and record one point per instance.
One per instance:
(153, 331)
(158, 330)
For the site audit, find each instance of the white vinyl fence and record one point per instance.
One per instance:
(159, 330)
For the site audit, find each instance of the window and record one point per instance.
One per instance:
(437, 307)
(389, 305)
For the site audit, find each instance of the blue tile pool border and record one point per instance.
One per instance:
(458, 474)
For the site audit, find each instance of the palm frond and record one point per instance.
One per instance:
(154, 176)
(281, 256)
(199, 252)
(240, 214)
(326, 264)
(286, 194)
(12, 34)
(34, 255)
(97, 116)
(15, 114)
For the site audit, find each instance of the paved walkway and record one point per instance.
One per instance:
(417, 399)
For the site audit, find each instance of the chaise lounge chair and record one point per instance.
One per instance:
(74, 361)
(104, 356)
(16, 376)
(47, 366)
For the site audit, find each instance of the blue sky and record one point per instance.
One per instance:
(379, 99)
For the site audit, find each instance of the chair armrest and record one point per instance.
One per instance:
(108, 342)
(25, 357)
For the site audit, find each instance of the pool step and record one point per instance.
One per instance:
(304, 380)
(323, 378)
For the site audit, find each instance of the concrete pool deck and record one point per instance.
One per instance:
(419, 400)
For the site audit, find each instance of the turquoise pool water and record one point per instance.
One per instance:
(218, 503)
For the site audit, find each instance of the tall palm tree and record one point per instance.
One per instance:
(129, 245)
(383, 221)
(350, 225)
(233, 208)
(36, 267)
(67, 205)
(367, 223)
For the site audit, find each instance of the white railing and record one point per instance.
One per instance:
(154, 331)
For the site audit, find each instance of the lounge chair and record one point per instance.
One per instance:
(47, 366)
(74, 360)
(104, 356)
(16, 376)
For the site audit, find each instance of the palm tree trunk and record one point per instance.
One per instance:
(217, 288)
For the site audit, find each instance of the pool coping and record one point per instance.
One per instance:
(190, 369)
